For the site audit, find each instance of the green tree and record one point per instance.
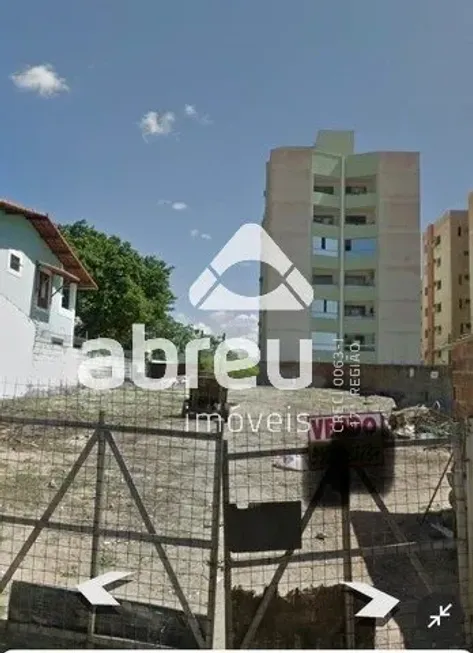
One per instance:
(132, 289)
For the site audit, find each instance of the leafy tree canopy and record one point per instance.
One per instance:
(132, 289)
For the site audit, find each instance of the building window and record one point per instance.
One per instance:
(358, 310)
(324, 246)
(426, 312)
(356, 189)
(465, 253)
(438, 285)
(467, 302)
(365, 341)
(467, 277)
(66, 295)
(15, 262)
(438, 330)
(459, 231)
(325, 308)
(437, 241)
(438, 261)
(426, 333)
(426, 291)
(43, 289)
(359, 279)
(438, 308)
(356, 219)
(324, 341)
(324, 219)
(361, 245)
(468, 326)
(320, 188)
(322, 280)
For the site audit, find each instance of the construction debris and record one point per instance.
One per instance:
(421, 422)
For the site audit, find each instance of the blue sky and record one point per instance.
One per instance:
(259, 73)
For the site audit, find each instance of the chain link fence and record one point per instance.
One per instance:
(92, 482)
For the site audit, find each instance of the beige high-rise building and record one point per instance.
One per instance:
(446, 286)
(351, 224)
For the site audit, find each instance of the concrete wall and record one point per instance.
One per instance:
(17, 234)
(399, 251)
(288, 220)
(408, 384)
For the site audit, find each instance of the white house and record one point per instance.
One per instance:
(39, 278)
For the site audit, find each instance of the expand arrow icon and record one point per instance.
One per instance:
(380, 605)
(94, 589)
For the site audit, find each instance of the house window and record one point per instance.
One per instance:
(66, 295)
(43, 290)
(15, 262)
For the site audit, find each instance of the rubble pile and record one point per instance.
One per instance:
(422, 422)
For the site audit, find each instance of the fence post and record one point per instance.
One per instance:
(469, 526)
(98, 510)
(459, 506)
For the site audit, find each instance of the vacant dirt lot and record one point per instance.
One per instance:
(174, 476)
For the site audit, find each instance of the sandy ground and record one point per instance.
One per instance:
(174, 475)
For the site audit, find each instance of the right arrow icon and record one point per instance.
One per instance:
(380, 605)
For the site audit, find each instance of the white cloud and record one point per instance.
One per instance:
(191, 112)
(40, 79)
(198, 326)
(243, 325)
(176, 206)
(155, 124)
(195, 233)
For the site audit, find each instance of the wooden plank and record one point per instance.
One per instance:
(61, 608)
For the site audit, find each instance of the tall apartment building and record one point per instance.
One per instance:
(351, 224)
(446, 286)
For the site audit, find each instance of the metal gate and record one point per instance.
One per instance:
(81, 496)
(400, 539)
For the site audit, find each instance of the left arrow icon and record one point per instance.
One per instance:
(380, 605)
(94, 589)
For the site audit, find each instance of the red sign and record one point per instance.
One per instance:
(323, 427)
